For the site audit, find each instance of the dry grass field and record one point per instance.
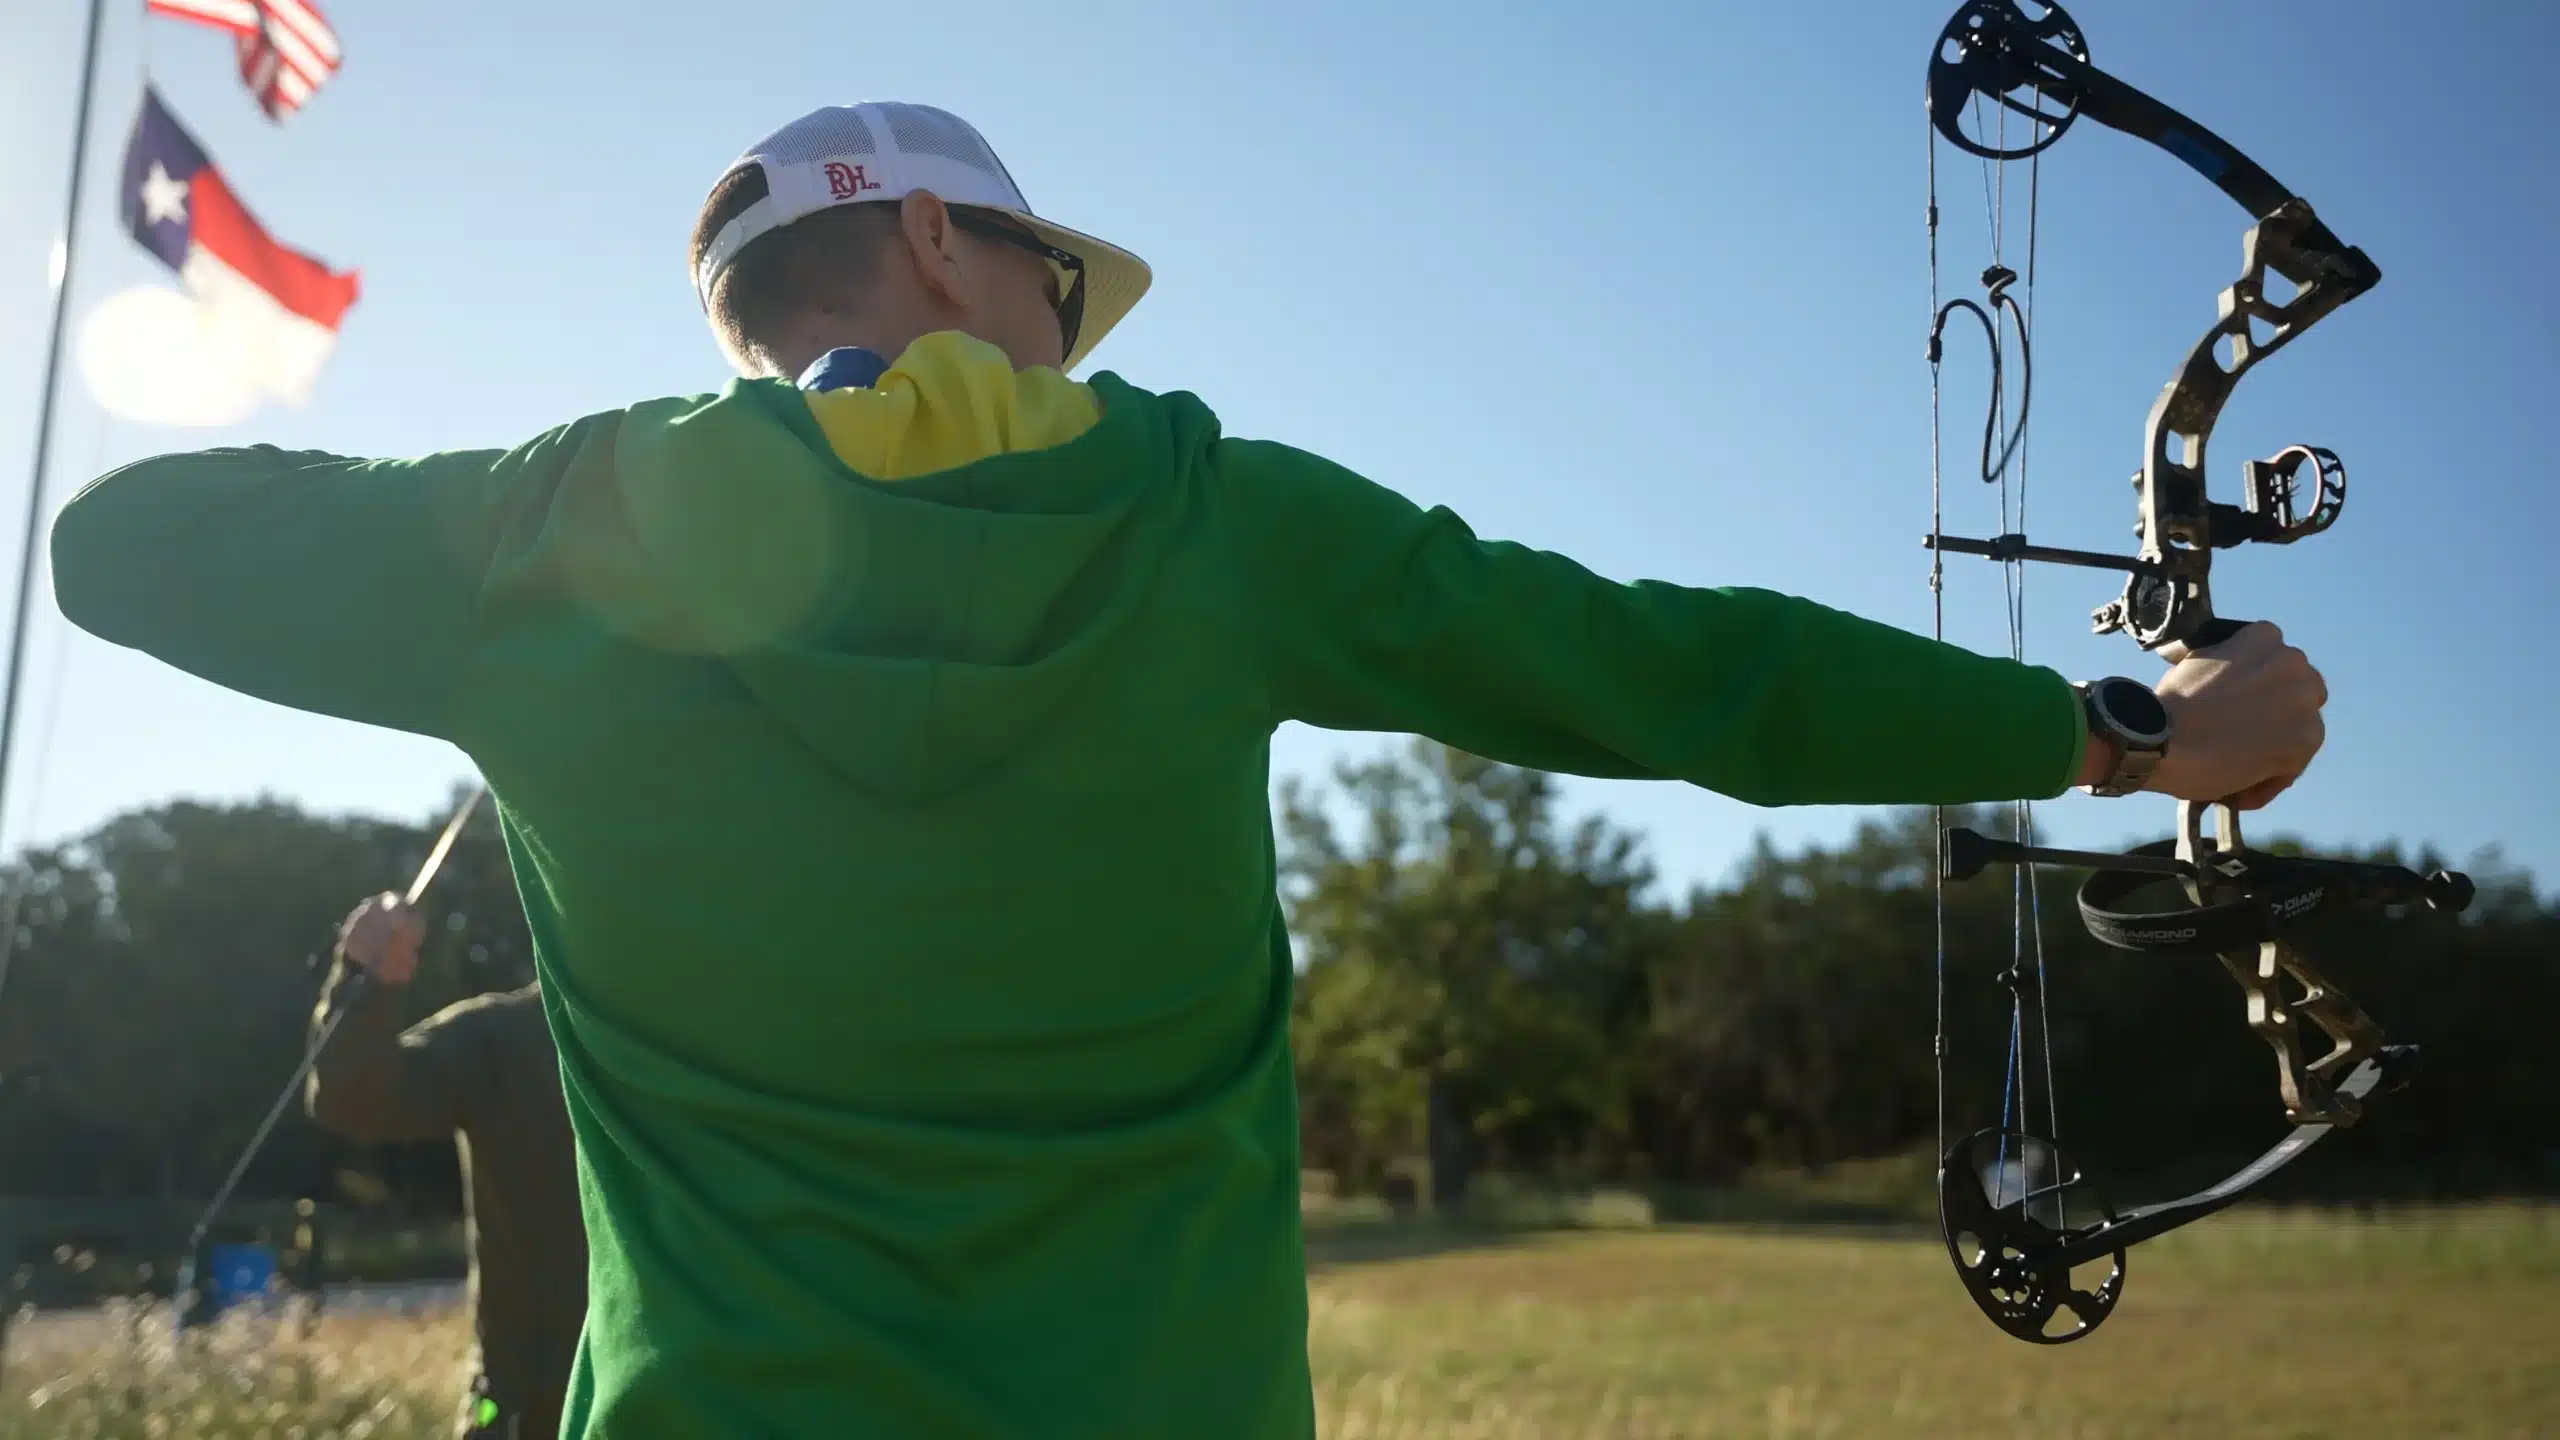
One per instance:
(2442, 1324)
(2438, 1323)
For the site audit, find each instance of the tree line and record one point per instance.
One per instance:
(1485, 985)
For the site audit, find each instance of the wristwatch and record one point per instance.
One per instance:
(2126, 715)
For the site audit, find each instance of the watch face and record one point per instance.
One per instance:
(2134, 709)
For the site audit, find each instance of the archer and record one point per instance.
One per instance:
(884, 762)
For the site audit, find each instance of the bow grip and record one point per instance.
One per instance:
(2216, 630)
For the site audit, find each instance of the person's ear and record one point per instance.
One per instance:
(933, 246)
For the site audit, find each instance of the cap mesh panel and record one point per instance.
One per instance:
(923, 130)
(822, 135)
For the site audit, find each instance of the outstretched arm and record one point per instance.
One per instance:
(1377, 615)
(347, 587)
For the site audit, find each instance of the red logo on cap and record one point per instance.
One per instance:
(845, 182)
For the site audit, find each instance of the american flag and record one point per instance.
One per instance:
(287, 49)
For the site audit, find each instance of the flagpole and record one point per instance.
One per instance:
(44, 451)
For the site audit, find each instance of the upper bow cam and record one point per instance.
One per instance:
(2295, 271)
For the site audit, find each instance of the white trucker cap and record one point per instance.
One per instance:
(881, 150)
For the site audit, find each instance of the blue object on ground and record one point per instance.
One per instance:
(235, 1273)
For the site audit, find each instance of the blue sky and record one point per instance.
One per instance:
(1645, 284)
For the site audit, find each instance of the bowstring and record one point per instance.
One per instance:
(2027, 947)
(2026, 813)
(2028, 1044)
(1995, 200)
(1938, 608)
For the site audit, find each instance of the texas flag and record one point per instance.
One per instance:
(267, 311)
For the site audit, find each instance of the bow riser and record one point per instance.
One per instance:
(2309, 1090)
(2169, 599)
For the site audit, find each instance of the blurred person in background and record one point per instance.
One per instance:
(484, 1072)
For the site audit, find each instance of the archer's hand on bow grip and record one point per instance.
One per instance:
(2244, 712)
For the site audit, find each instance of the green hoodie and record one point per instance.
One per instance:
(899, 861)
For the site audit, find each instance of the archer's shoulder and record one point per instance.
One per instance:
(1190, 424)
(1180, 415)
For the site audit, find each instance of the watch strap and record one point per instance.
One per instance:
(2134, 761)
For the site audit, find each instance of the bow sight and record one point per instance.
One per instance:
(2019, 1218)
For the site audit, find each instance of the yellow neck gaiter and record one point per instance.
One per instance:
(949, 400)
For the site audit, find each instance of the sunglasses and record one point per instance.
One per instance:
(1066, 270)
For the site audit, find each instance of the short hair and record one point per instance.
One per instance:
(821, 262)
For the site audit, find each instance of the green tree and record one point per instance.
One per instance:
(1469, 970)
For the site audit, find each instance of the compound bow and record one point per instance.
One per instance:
(2019, 1217)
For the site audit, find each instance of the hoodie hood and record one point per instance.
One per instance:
(913, 631)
